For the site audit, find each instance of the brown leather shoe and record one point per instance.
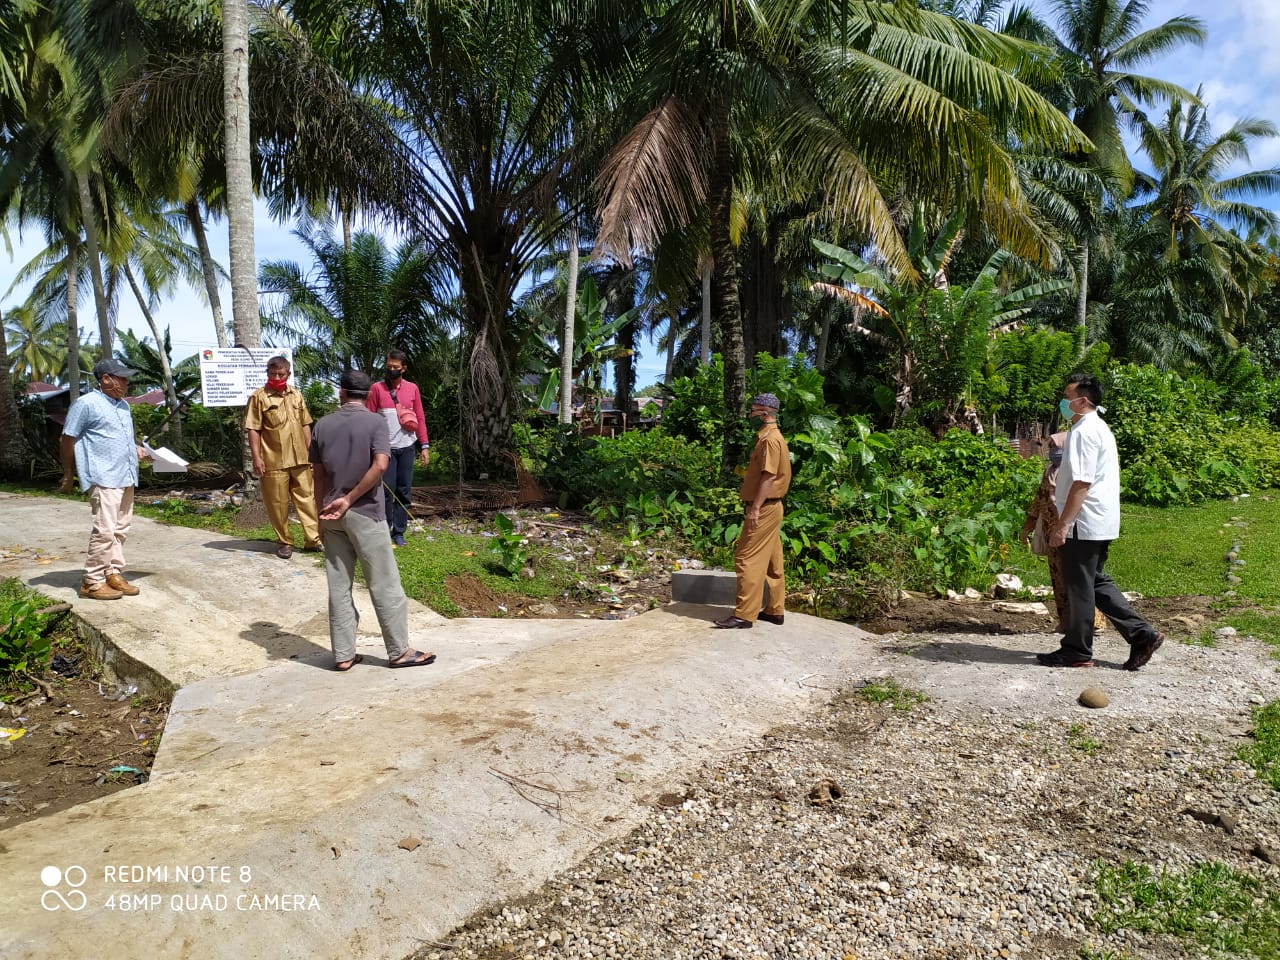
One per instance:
(117, 582)
(771, 617)
(1140, 654)
(285, 551)
(733, 623)
(99, 591)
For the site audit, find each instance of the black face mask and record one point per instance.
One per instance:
(394, 374)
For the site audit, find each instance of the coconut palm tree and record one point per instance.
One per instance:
(32, 354)
(853, 96)
(1190, 197)
(238, 152)
(1185, 278)
(1098, 44)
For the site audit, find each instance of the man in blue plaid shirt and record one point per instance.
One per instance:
(98, 445)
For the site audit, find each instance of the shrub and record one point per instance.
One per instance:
(696, 409)
(25, 640)
(1184, 440)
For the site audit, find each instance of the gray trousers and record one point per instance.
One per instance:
(1089, 586)
(354, 537)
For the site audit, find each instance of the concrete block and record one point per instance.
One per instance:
(715, 588)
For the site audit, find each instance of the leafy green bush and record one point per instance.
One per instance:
(25, 640)
(966, 471)
(1184, 440)
(209, 434)
(1023, 377)
(696, 410)
(638, 462)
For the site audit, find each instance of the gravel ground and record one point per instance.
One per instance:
(966, 826)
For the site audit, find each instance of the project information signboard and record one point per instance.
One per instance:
(229, 376)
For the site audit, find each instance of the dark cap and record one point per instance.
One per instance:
(112, 367)
(766, 400)
(356, 383)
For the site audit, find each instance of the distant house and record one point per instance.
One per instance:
(56, 400)
(152, 398)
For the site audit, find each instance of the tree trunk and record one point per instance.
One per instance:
(175, 421)
(763, 294)
(235, 104)
(73, 314)
(824, 338)
(209, 268)
(89, 216)
(704, 352)
(565, 413)
(245, 321)
(671, 352)
(724, 281)
(15, 455)
(1082, 295)
(624, 368)
(488, 415)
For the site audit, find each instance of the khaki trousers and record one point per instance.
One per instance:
(357, 537)
(278, 487)
(112, 515)
(757, 560)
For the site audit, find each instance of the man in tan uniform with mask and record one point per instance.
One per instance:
(757, 558)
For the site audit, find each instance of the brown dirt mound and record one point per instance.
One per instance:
(1178, 616)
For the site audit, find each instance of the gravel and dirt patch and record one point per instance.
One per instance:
(81, 739)
(973, 824)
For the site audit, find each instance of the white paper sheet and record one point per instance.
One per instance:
(164, 460)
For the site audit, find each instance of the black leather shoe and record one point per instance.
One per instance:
(733, 623)
(771, 617)
(1063, 658)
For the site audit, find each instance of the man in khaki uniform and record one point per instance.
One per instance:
(279, 441)
(757, 558)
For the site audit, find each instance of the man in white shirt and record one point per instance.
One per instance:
(1088, 501)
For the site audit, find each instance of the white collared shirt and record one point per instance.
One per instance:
(1091, 457)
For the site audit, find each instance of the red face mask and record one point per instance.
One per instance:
(277, 385)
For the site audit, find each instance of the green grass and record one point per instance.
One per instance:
(1210, 905)
(1079, 739)
(1088, 953)
(1180, 551)
(425, 564)
(889, 691)
(1263, 754)
(1262, 625)
(182, 513)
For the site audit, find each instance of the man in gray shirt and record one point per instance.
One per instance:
(349, 453)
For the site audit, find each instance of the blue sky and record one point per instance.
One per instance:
(1237, 67)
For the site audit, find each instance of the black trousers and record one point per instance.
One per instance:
(1089, 586)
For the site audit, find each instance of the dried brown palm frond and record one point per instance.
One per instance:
(653, 180)
(859, 301)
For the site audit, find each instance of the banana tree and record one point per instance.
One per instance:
(933, 332)
(594, 346)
